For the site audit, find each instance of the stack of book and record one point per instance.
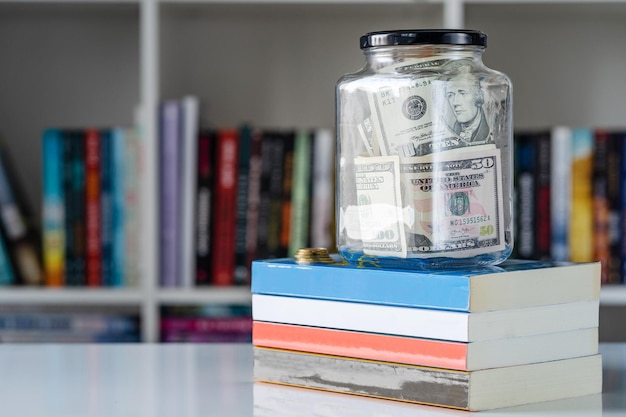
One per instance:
(519, 333)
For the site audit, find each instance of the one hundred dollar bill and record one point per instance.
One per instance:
(379, 206)
(444, 205)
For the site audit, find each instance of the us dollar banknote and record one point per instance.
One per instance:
(442, 109)
(449, 205)
(379, 206)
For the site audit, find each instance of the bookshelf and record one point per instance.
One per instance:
(93, 62)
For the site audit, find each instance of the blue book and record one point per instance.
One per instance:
(512, 284)
(106, 205)
(53, 228)
(118, 138)
(6, 270)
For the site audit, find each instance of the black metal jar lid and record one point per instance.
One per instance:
(423, 37)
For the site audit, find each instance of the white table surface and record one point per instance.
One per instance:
(216, 380)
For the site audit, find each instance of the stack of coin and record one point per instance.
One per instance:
(313, 255)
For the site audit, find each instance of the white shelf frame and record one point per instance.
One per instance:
(149, 297)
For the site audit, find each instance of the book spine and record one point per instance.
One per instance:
(426, 323)
(322, 193)
(118, 240)
(106, 206)
(286, 199)
(93, 215)
(525, 189)
(390, 380)
(622, 138)
(203, 207)
(53, 230)
(224, 208)
(300, 223)
(614, 173)
(270, 202)
(7, 277)
(170, 138)
(416, 351)
(254, 198)
(74, 192)
(190, 108)
(242, 267)
(581, 220)
(561, 186)
(543, 232)
(207, 325)
(131, 252)
(600, 201)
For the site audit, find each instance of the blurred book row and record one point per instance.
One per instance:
(570, 189)
(232, 195)
(90, 204)
(84, 324)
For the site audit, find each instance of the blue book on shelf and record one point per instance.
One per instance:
(53, 228)
(512, 284)
(6, 271)
(118, 137)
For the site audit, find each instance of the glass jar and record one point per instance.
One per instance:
(425, 153)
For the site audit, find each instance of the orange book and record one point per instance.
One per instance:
(426, 352)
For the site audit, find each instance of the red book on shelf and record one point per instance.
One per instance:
(224, 213)
(92, 208)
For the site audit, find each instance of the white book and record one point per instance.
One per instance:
(190, 125)
(323, 189)
(560, 186)
(426, 323)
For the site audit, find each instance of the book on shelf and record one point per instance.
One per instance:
(7, 276)
(64, 325)
(224, 211)
(583, 216)
(468, 390)
(53, 210)
(241, 275)
(130, 249)
(89, 200)
(75, 209)
(17, 225)
(494, 353)
(204, 181)
(512, 284)
(170, 116)
(214, 323)
(525, 186)
(273, 150)
(93, 212)
(301, 192)
(252, 197)
(615, 166)
(322, 190)
(428, 323)
(560, 192)
(600, 201)
(190, 108)
(118, 202)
